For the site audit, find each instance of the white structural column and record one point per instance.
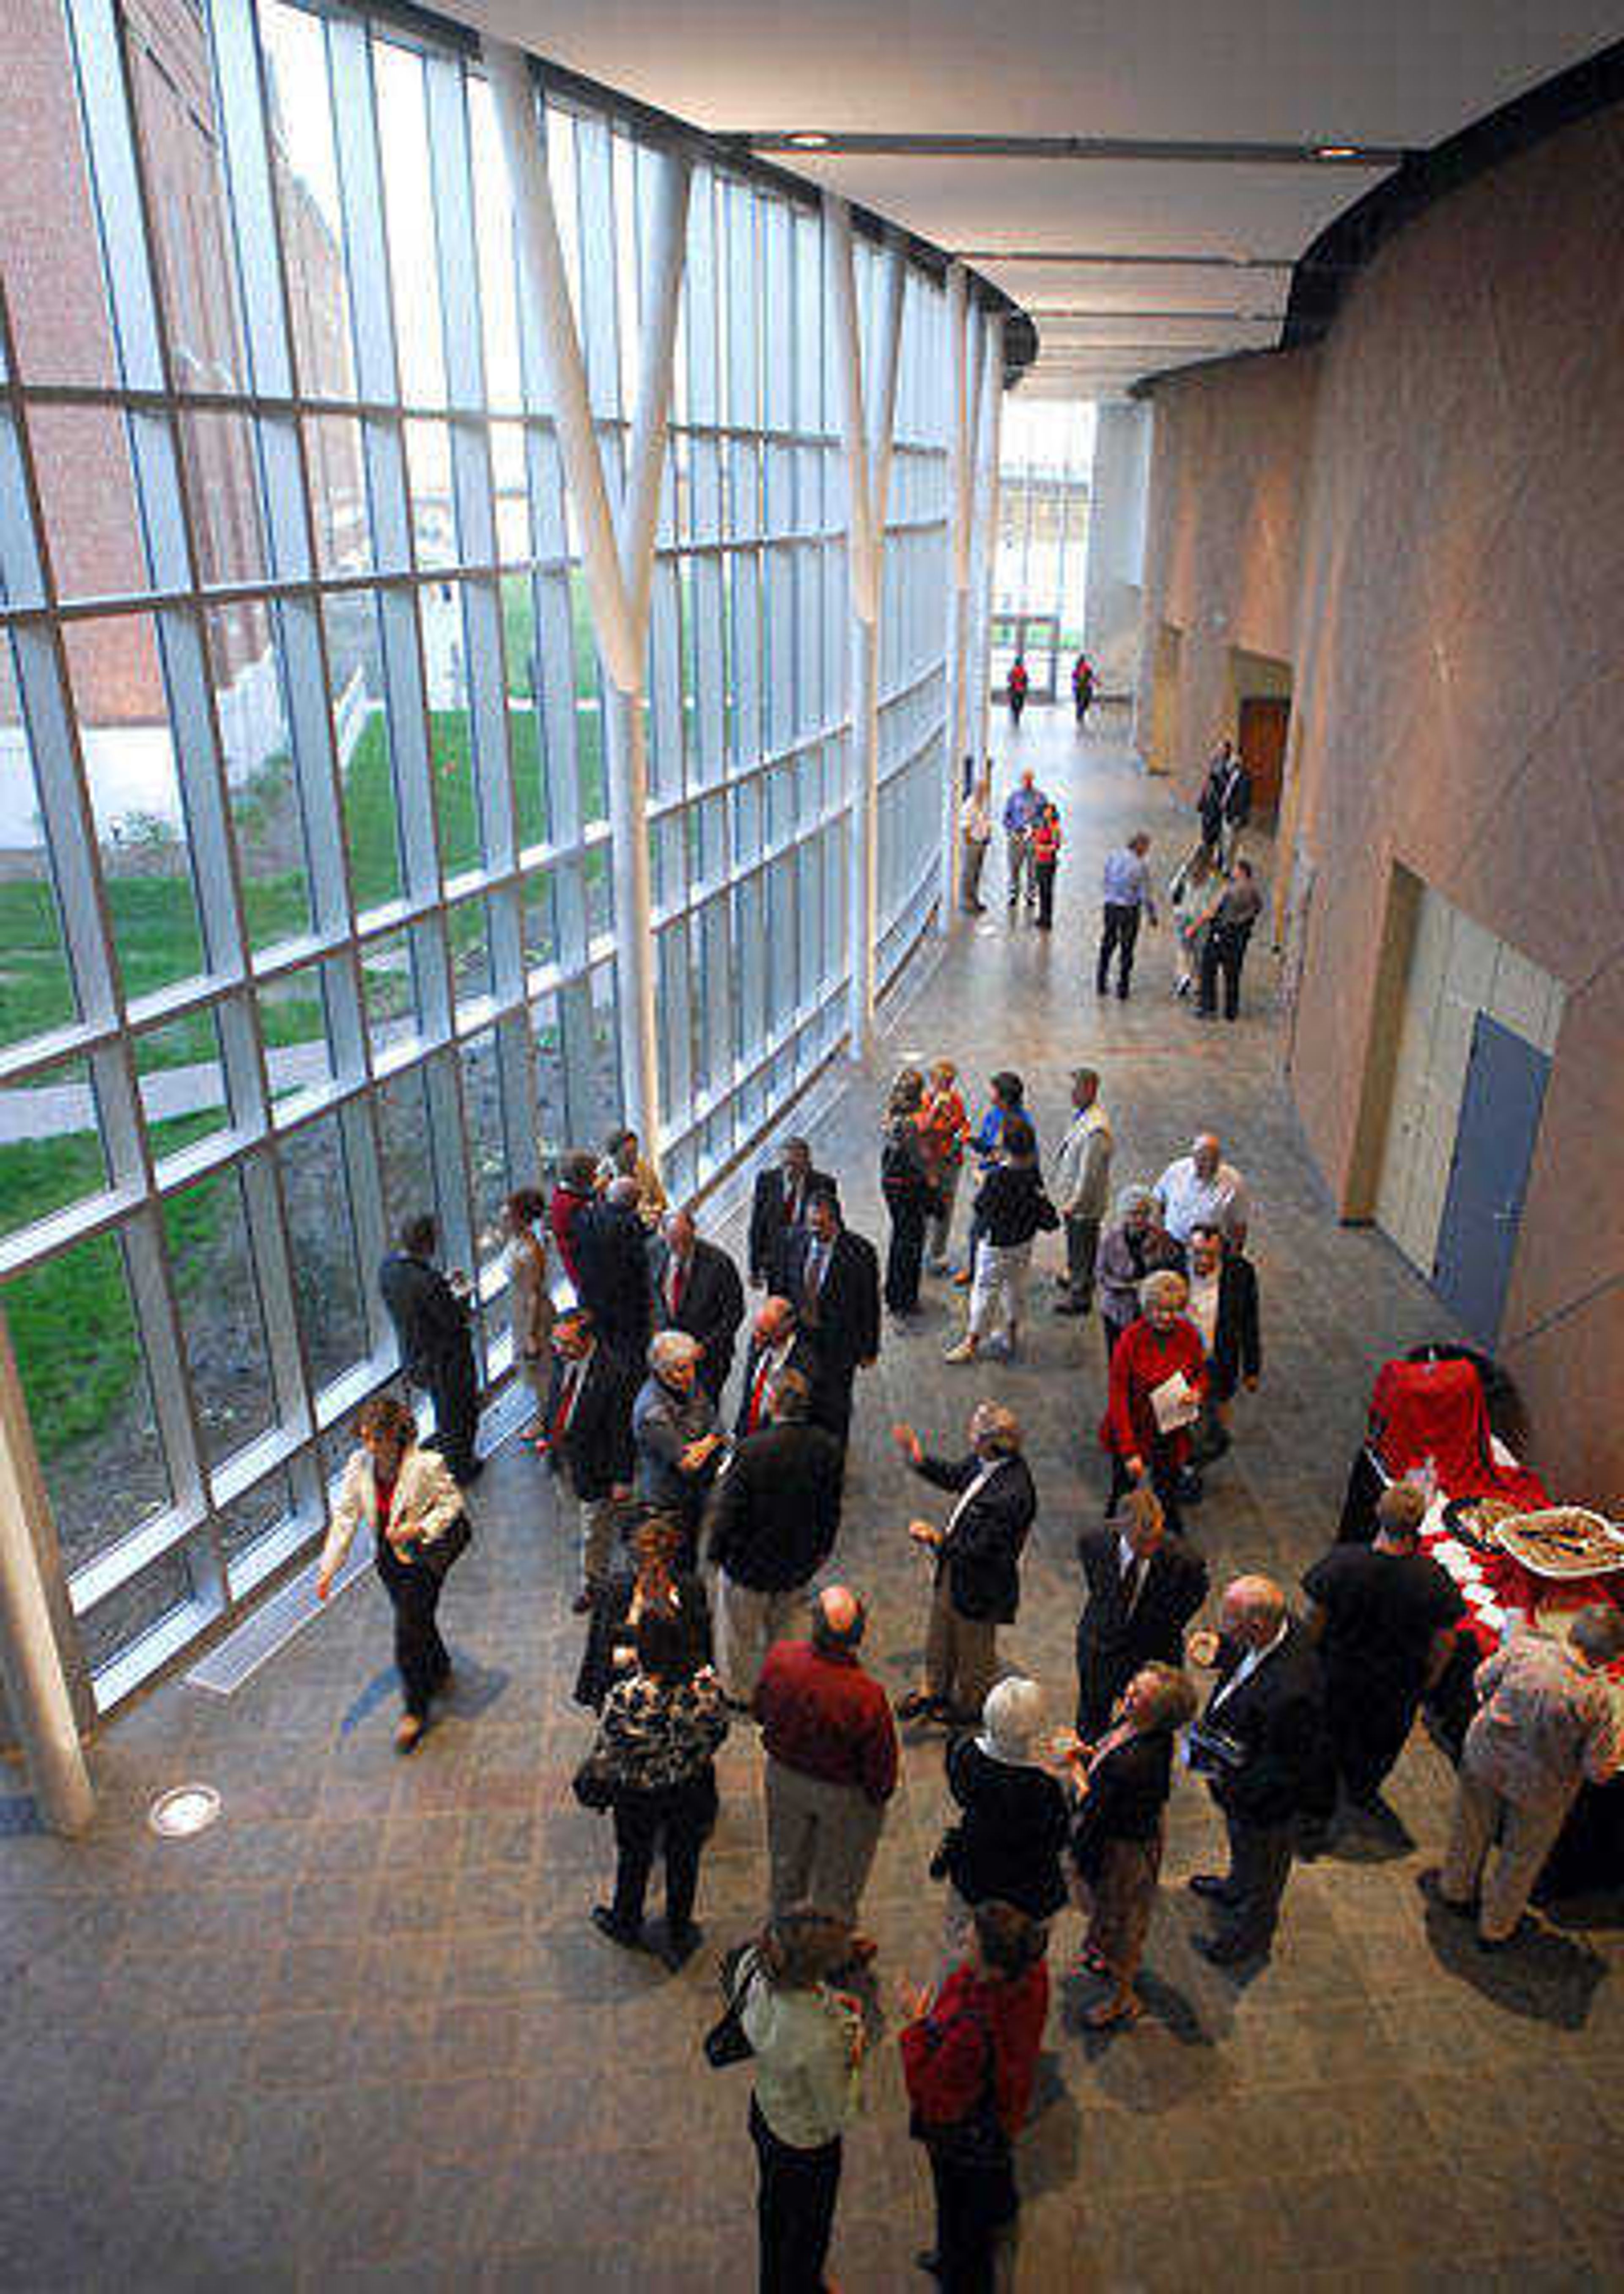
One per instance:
(617, 552)
(965, 326)
(866, 425)
(37, 1689)
(990, 446)
(1114, 591)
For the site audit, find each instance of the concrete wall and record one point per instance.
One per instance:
(1114, 602)
(1446, 474)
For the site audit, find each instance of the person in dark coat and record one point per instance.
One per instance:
(781, 1199)
(910, 1196)
(675, 1440)
(431, 1325)
(611, 1249)
(977, 1584)
(695, 1287)
(1007, 1840)
(1264, 1723)
(587, 1437)
(831, 1278)
(648, 1576)
(770, 1526)
(1223, 1306)
(1144, 1586)
(777, 1342)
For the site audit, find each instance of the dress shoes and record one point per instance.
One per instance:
(918, 1705)
(1226, 1951)
(606, 1925)
(1217, 1890)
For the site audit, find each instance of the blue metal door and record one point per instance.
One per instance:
(1494, 1145)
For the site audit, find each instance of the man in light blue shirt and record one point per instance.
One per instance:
(1127, 890)
(1025, 802)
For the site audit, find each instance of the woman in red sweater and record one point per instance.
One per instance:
(970, 2057)
(1145, 1444)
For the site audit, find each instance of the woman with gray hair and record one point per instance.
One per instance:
(675, 1436)
(1157, 1384)
(1006, 1843)
(1138, 1245)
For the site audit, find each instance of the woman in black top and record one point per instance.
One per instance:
(1006, 1845)
(1011, 1208)
(649, 1578)
(905, 1182)
(1120, 1788)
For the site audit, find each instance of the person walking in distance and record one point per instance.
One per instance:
(1082, 686)
(832, 1757)
(1127, 895)
(1082, 1190)
(1019, 685)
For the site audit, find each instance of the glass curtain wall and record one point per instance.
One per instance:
(1040, 563)
(306, 907)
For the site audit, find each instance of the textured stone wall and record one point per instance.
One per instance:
(1456, 617)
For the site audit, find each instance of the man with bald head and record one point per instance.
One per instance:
(1259, 1743)
(830, 1747)
(1200, 1189)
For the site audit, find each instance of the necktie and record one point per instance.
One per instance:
(566, 1404)
(757, 1394)
(1133, 1578)
(679, 1283)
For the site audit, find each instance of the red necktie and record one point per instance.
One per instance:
(566, 1406)
(758, 1393)
(679, 1283)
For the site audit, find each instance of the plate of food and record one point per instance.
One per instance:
(1475, 1520)
(1563, 1542)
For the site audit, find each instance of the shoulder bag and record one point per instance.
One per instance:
(725, 2042)
(977, 2139)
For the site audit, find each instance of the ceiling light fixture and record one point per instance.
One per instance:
(1335, 150)
(809, 140)
(183, 1811)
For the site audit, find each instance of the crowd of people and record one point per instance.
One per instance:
(706, 1515)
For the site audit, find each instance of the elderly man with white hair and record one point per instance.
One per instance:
(1260, 1745)
(977, 1551)
(675, 1436)
(1200, 1189)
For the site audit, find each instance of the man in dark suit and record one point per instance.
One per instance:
(431, 1325)
(771, 1520)
(831, 1278)
(978, 1552)
(1144, 1586)
(777, 1342)
(695, 1288)
(1224, 1307)
(610, 1246)
(782, 1196)
(1268, 1708)
(587, 1437)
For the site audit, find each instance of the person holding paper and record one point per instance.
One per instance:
(1158, 1383)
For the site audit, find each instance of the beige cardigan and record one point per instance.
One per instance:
(424, 1494)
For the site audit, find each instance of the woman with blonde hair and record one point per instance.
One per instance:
(1120, 1788)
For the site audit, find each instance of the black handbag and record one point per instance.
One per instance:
(593, 1782)
(725, 2042)
(453, 1542)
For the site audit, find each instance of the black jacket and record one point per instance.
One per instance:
(981, 1553)
(1275, 1716)
(607, 1629)
(431, 1321)
(774, 1514)
(843, 1321)
(596, 1453)
(1007, 1843)
(1113, 1643)
(1011, 1206)
(802, 1356)
(712, 1310)
(610, 1247)
(770, 1215)
(1127, 1792)
(1237, 1346)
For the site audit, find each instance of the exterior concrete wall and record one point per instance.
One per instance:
(1457, 622)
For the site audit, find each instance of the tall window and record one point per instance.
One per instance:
(305, 905)
(1040, 561)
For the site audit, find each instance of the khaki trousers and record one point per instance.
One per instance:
(747, 1624)
(960, 1653)
(1502, 1877)
(821, 1840)
(599, 1519)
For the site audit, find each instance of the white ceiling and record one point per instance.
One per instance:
(1390, 73)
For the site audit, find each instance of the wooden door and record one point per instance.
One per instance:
(1261, 741)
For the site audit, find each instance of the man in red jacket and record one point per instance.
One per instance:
(831, 1748)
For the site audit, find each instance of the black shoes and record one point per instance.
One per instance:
(606, 1925)
(1226, 1951)
(1217, 1890)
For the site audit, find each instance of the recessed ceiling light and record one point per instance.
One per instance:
(808, 142)
(188, 1809)
(1335, 150)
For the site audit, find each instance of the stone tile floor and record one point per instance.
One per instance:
(361, 2034)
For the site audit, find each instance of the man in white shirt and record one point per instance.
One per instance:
(1082, 1188)
(1200, 1189)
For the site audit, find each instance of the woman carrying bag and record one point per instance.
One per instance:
(654, 1762)
(969, 2058)
(407, 1497)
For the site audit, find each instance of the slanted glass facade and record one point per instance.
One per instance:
(307, 916)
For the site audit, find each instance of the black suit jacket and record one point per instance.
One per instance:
(768, 1218)
(1276, 1717)
(774, 1511)
(713, 1306)
(981, 1554)
(1112, 1644)
(844, 1322)
(610, 1247)
(597, 1453)
(431, 1321)
(802, 1356)
(1237, 1345)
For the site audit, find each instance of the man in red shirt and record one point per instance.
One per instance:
(831, 1748)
